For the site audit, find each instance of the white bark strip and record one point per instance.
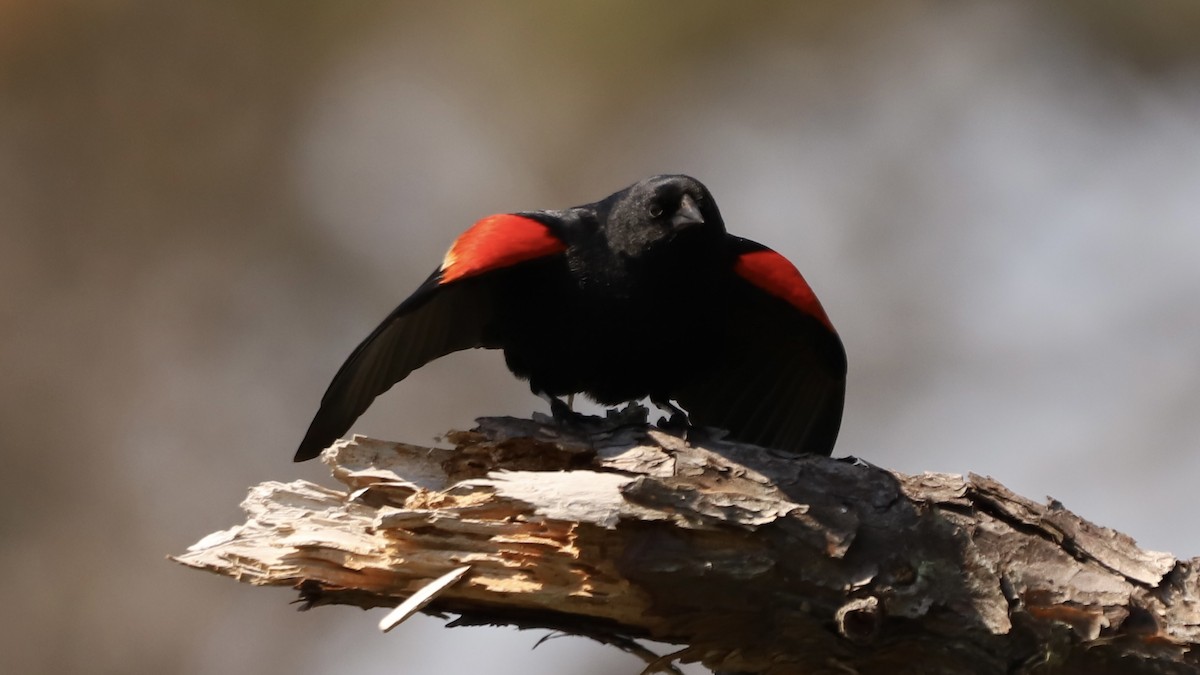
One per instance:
(417, 601)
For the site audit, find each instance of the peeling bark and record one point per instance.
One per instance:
(753, 560)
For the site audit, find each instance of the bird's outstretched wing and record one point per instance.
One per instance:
(451, 311)
(782, 380)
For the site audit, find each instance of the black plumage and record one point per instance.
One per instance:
(641, 294)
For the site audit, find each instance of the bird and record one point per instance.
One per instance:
(642, 294)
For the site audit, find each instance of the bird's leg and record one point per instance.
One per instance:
(560, 410)
(678, 418)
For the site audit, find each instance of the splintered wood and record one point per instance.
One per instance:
(753, 560)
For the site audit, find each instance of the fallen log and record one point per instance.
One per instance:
(752, 560)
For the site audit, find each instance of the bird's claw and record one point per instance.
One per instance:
(675, 420)
(561, 411)
(678, 421)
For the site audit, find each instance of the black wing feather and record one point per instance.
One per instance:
(434, 321)
(781, 382)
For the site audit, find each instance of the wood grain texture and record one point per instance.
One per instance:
(753, 561)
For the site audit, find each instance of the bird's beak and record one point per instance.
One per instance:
(687, 214)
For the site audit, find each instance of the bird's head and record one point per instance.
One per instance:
(660, 210)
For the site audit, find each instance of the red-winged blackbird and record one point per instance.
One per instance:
(640, 294)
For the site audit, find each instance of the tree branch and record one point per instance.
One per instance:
(755, 561)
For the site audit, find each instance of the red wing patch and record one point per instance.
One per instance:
(774, 274)
(496, 242)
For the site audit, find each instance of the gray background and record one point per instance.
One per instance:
(204, 206)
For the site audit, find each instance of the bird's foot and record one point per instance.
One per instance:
(676, 422)
(561, 410)
(633, 413)
(576, 424)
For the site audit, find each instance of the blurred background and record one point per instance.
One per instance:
(204, 206)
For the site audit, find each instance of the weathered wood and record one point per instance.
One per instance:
(754, 560)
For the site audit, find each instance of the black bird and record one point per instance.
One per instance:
(641, 294)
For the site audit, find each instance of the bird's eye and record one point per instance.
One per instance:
(655, 210)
